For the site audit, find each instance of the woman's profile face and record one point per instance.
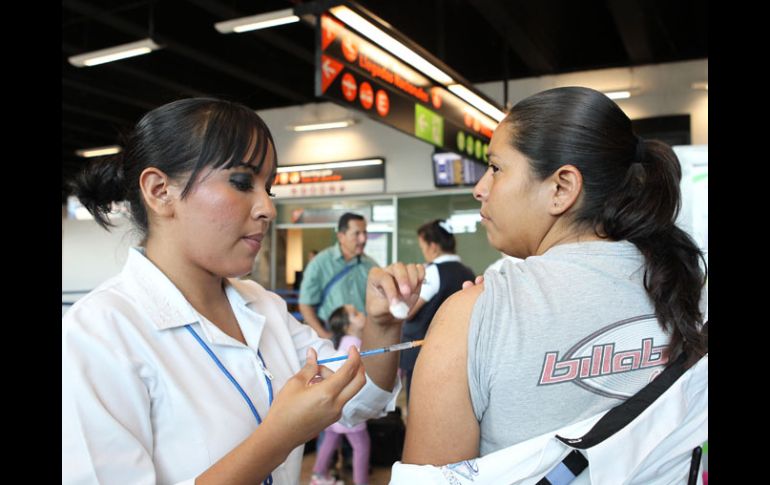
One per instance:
(220, 225)
(513, 201)
(424, 247)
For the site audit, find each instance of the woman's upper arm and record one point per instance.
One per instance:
(442, 427)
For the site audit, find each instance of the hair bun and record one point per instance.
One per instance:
(445, 226)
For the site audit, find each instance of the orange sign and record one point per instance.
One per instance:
(373, 80)
(329, 31)
(366, 95)
(383, 103)
(349, 86)
(435, 97)
(349, 49)
(330, 68)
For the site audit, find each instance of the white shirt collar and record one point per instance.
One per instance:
(168, 307)
(446, 258)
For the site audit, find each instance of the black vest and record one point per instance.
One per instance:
(451, 276)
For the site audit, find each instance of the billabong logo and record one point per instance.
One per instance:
(615, 361)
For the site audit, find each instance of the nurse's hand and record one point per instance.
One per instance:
(392, 291)
(306, 404)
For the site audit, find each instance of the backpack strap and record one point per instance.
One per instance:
(619, 416)
(566, 471)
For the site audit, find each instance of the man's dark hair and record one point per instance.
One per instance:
(342, 225)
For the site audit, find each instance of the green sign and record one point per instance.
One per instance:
(428, 125)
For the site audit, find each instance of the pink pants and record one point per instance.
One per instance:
(361, 444)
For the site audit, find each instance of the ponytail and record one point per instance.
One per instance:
(643, 210)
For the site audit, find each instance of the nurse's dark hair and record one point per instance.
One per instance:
(435, 232)
(630, 192)
(179, 138)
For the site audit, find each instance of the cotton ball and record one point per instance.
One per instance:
(399, 310)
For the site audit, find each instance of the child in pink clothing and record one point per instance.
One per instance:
(346, 324)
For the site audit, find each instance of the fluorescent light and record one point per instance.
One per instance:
(322, 126)
(122, 51)
(703, 85)
(390, 44)
(476, 101)
(321, 166)
(618, 94)
(98, 151)
(621, 93)
(255, 22)
(404, 53)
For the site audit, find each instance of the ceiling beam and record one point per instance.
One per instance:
(535, 56)
(176, 88)
(271, 38)
(181, 49)
(629, 20)
(87, 131)
(96, 114)
(76, 142)
(109, 95)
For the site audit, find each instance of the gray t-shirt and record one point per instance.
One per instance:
(558, 338)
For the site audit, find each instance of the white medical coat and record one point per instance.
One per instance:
(143, 403)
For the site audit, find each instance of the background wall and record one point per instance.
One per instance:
(663, 89)
(89, 254)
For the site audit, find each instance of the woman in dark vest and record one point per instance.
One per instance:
(444, 275)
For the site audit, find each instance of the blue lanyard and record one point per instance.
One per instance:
(269, 479)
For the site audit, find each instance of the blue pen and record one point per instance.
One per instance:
(390, 348)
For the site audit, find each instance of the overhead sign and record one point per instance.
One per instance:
(334, 178)
(359, 75)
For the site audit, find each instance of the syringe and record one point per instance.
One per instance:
(390, 348)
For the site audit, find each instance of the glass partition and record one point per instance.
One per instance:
(462, 211)
(303, 226)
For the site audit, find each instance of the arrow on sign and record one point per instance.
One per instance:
(330, 68)
(422, 123)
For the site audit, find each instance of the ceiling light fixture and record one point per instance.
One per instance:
(618, 94)
(98, 151)
(476, 100)
(702, 85)
(325, 125)
(621, 93)
(255, 22)
(321, 166)
(390, 44)
(123, 51)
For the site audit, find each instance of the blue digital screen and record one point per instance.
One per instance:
(453, 170)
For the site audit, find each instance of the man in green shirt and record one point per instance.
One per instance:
(337, 275)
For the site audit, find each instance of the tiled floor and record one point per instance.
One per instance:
(378, 476)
